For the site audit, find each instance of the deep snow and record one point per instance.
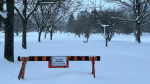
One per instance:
(124, 61)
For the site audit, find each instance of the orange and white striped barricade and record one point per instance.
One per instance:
(56, 62)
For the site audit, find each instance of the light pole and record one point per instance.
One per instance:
(105, 29)
(105, 34)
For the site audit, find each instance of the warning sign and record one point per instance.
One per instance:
(59, 61)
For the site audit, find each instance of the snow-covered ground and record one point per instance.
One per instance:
(124, 61)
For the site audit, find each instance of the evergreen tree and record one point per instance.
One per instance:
(70, 23)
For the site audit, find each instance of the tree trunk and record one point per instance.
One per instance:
(24, 22)
(17, 33)
(24, 34)
(1, 6)
(9, 32)
(135, 32)
(138, 39)
(106, 42)
(46, 33)
(109, 39)
(87, 39)
(141, 33)
(113, 34)
(39, 38)
(51, 34)
(79, 35)
(138, 23)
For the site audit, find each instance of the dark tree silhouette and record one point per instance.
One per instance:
(70, 23)
(9, 32)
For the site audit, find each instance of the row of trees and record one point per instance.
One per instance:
(88, 23)
(140, 13)
(33, 11)
(47, 16)
(133, 16)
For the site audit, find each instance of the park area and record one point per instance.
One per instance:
(124, 61)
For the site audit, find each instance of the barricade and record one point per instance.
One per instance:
(56, 62)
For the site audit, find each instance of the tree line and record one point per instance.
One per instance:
(34, 15)
(132, 17)
(57, 10)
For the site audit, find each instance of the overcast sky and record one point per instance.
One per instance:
(88, 5)
(98, 3)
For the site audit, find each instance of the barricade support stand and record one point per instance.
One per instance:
(93, 67)
(22, 70)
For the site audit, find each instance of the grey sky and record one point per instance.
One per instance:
(98, 3)
(89, 4)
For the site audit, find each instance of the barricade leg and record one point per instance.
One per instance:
(93, 67)
(22, 70)
(49, 64)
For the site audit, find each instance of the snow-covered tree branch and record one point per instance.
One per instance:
(140, 10)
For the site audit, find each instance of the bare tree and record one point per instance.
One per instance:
(101, 20)
(55, 17)
(115, 25)
(60, 13)
(9, 32)
(24, 16)
(26, 13)
(84, 24)
(140, 10)
(40, 18)
(8, 19)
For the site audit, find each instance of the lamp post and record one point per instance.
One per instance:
(105, 29)
(105, 34)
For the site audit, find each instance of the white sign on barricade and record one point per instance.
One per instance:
(59, 61)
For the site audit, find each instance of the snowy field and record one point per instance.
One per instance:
(124, 61)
